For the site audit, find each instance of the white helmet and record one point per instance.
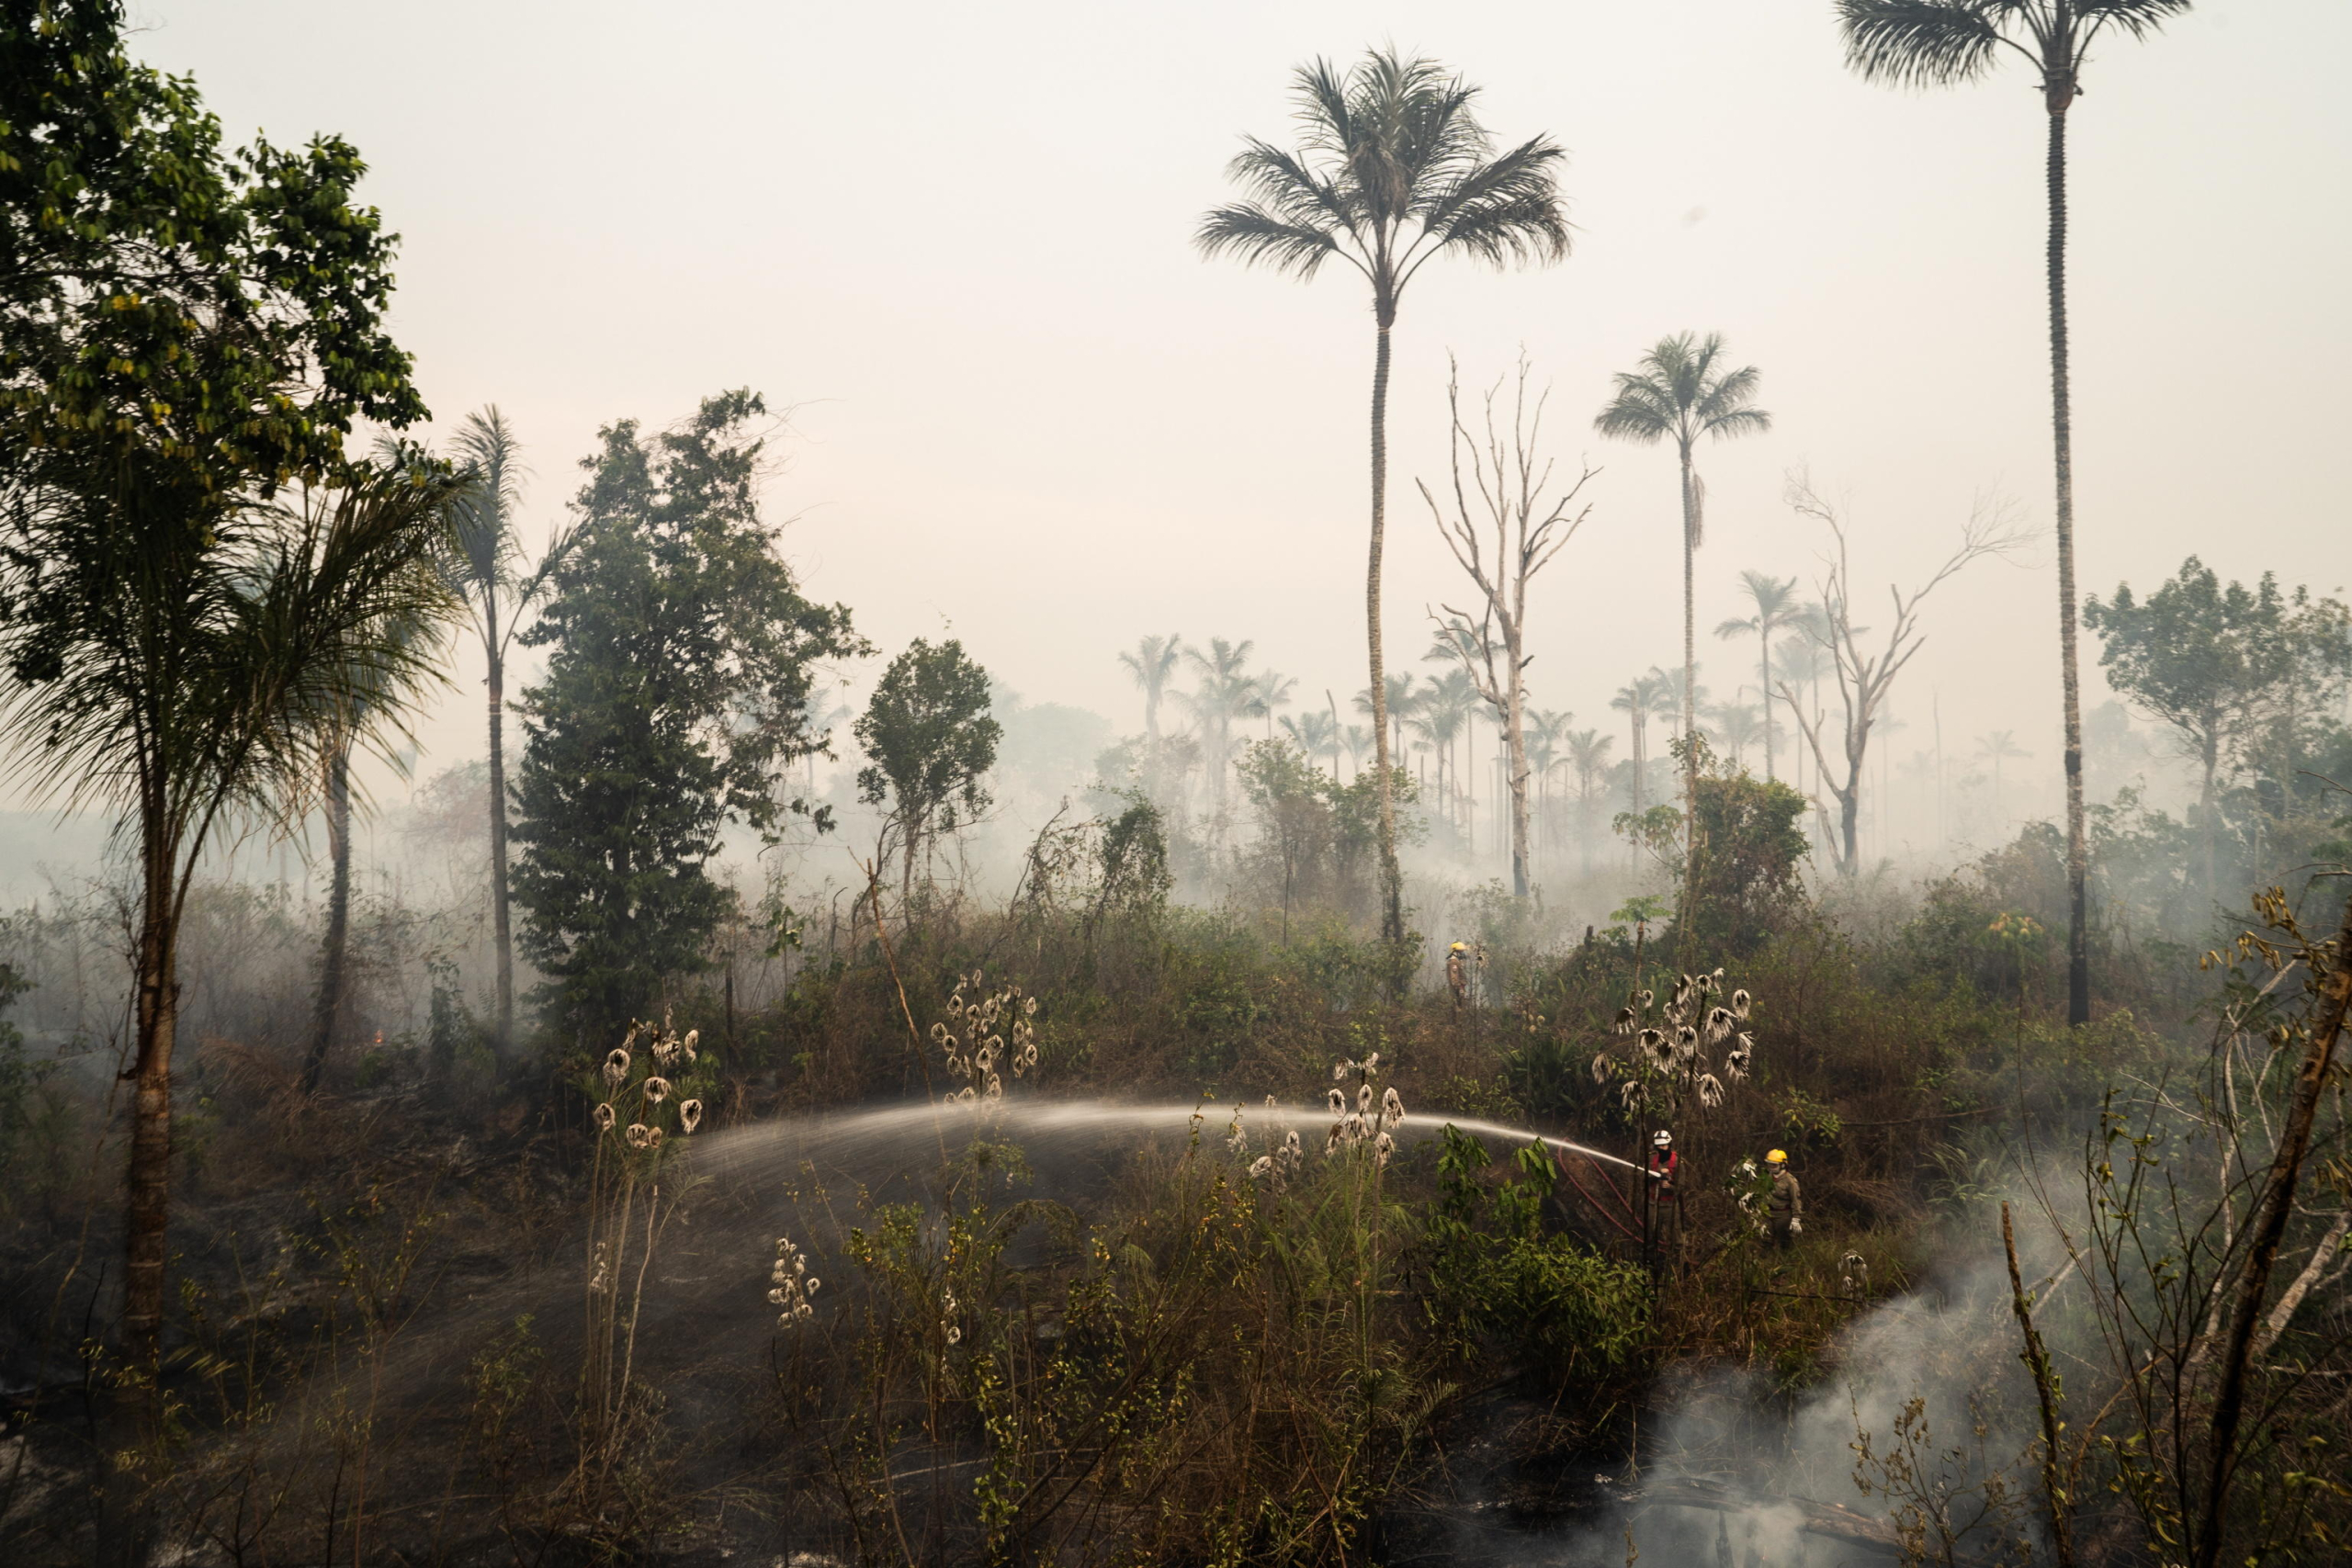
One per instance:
(1661, 1139)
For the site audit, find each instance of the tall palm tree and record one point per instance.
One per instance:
(1397, 698)
(1150, 662)
(1739, 724)
(341, 731)
(1637, 700)
(1393, 171)
(1996, 748)
(1775, 602)
(1223, 694)
(1358, 741)
(487, 567)
(1588, 755)
(1269, 691)
(1923, 43)
(1682, 392)
(1798, 664)
(1315, 733)
(1546, 731)
(190, 677)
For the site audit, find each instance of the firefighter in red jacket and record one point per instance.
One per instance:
(1664, 1171)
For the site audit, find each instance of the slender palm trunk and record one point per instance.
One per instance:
(2078, 962)
(1392, 892)
(501, 916)
(1690, 715)
(326, 1018)
(1764, 634)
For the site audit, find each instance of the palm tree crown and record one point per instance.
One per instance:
(1392, 170)
(1683, 391)
(1937, 43)
(1151, 661)
(1777, 609)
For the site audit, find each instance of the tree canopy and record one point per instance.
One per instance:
(930, 741)
(683, 658)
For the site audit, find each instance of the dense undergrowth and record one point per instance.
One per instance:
(458, 1311)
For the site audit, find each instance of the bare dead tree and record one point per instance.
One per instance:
(1865, 678)
(1503, 467)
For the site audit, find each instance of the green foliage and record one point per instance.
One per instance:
(1749, 854)
(931, 740)
(18, 1081)
(2215, 663)
(683, 656)
(1497, 1280)
(1135, 878)
(181, 326)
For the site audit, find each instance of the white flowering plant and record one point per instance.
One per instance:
(986, 1036)
(1695, 1045)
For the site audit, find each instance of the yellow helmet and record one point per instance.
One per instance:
(1460, 947)
(1778, 1156)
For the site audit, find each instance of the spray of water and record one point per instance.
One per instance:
(1516, 1134)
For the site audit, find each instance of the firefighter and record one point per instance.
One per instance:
(1664, 1171)
(1784, 1208)
(1457, 977)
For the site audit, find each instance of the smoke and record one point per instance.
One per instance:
(1915, 1431)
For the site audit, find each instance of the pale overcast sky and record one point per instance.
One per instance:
(958, 237)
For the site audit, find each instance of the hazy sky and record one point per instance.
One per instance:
(959, 238)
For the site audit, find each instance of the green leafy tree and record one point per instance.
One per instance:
(683, 662)
(2212, 662)
(1293, 800)
(930, 742)
(183, 331)
(1751, 851)
(1684, 392)
(1924, 43)
(1393, 171)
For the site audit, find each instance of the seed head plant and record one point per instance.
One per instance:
(982, 1039)
(650, 1085)
(1671, 1060)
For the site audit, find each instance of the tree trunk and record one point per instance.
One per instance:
(1764, 634)
(2264, 1238)
(2079, 961)
(326, 1019)
(502, 929)
(135, 1414)
(1515, 746)
(2206, 807)
(1690, 714)
(1392, 891)
(151, 1135)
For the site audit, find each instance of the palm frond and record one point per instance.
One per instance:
(1920, 43)
(2138, 17)
(1508, 210)
(1261, 239)
(1640, 410)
